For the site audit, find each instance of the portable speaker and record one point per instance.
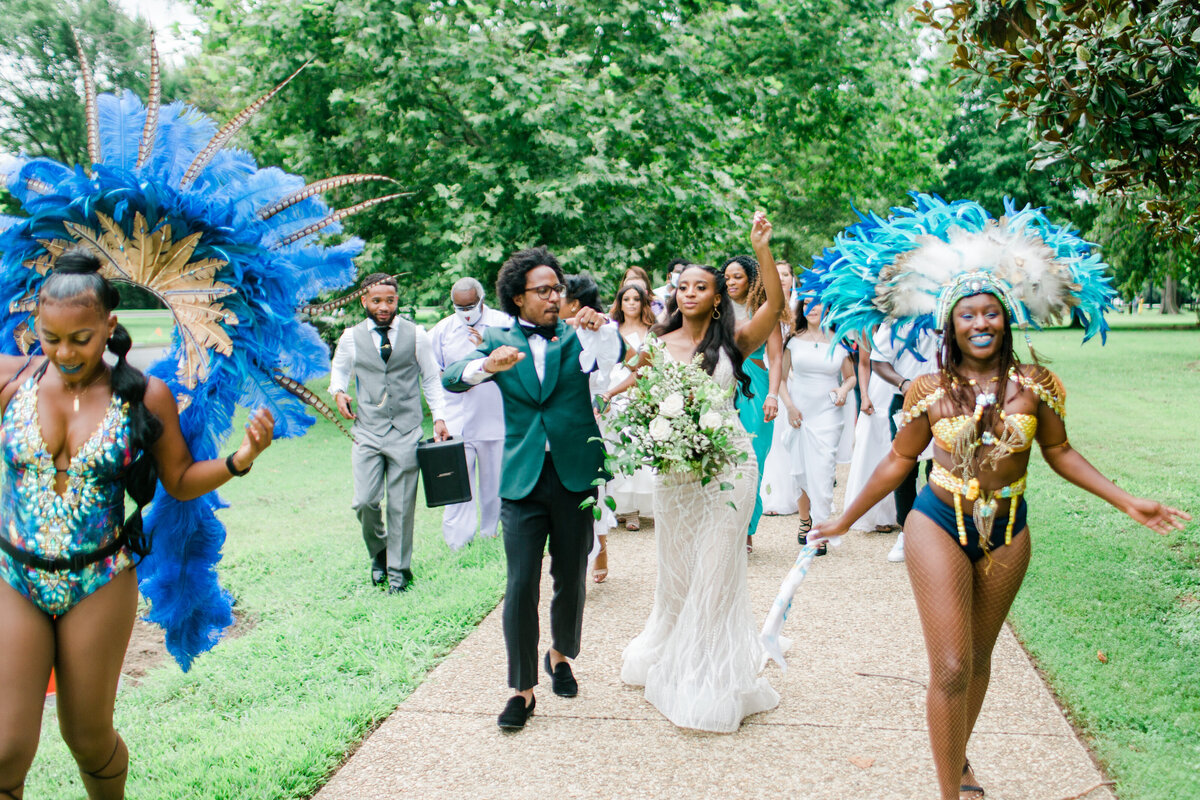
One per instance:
(444, 472)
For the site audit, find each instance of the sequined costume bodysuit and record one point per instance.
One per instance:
(41, 525)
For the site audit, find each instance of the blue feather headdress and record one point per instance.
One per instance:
(231, 250)
(911, 268)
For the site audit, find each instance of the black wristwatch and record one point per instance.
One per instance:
(234, 470)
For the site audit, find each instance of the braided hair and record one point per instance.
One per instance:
(719, 336)
(76, 278)
(756, 294)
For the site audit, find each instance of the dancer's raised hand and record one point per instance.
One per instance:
(760, 230)
(260, 431)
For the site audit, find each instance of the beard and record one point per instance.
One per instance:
(382, 317)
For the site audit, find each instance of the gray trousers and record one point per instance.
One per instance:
(389, 461)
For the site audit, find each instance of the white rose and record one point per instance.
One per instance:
(710, 420)
(672, 406)
(660, 429)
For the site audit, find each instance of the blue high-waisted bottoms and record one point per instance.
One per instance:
(942, 514)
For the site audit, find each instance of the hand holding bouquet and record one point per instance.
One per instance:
(677, 419)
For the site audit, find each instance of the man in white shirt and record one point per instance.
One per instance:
(476, 416)
(391, 362)
(900, 365)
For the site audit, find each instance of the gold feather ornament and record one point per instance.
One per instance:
(153, 260)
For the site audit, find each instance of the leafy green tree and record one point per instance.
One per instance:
(987, 161)
(1139, 260)
(1109, 87)
(41, 86)
(616, 132)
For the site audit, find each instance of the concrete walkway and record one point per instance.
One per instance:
(850, 723)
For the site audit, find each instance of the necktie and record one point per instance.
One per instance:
(385, 346)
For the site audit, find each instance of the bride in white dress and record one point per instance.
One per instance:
(699, 655)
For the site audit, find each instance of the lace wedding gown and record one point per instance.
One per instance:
(699, 654)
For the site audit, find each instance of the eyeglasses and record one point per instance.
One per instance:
(467, 307)
(543, 292)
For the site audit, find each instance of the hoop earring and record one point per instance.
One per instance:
(716, 313)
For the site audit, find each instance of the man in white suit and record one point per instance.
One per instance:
(476, 416)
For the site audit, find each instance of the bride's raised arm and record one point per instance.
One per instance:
(753, 332)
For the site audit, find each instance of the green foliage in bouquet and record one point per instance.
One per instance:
(674, 419)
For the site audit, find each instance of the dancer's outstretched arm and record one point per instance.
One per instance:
(183, 477)
(1070, 464)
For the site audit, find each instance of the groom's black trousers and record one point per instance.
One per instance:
(552, 513)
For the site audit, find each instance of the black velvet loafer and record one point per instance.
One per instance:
(516, 713)
(562, 680)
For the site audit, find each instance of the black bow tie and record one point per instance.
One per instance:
(547, 332)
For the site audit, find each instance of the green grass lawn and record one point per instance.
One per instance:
(1100, 583)
(272, 713)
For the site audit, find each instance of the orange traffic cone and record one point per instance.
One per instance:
(50, 689)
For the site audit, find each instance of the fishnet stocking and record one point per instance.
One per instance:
(28, 637)
(86, 646)
(962, 608)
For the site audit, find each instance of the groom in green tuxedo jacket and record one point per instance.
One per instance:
(551, 462)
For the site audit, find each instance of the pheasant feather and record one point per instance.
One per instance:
(319, 187)
(230, 128)
(337, 216)
(89, 102)
(153, 102)
(304, 393)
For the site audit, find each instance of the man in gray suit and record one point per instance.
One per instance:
(388, 357)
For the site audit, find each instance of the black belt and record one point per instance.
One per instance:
(71, 564)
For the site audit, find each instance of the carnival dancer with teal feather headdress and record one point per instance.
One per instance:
(230, 250)
(951, 267)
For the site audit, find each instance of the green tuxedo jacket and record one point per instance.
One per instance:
(557, 409)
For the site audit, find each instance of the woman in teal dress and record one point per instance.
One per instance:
(764, 367)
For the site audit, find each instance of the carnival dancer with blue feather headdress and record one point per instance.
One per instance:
(951, 267)
(229, 249)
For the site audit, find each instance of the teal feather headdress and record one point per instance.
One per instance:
(911, 268)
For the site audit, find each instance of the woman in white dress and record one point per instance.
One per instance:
(699, 654)
(634, 493)
(778, 491)
(819, 376)
(872, 440)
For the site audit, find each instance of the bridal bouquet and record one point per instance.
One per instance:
(677, 419)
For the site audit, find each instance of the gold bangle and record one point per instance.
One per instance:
(1063, 443)
(902, 456)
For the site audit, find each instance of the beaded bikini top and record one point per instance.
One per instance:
(957, 435)
(90, 511)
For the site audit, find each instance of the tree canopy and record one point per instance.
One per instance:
(615, 132)
(1109, 87)
(41, 84)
